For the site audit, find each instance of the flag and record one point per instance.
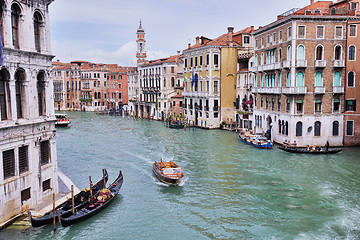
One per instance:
(1, 51)
(184, 82)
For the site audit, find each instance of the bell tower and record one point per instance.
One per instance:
(140, 40)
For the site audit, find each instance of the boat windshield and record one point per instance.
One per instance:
(171, 170)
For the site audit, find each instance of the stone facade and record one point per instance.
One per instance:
(27, 130)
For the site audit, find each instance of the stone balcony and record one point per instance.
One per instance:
(278, 65)
(301, 63)
(320, 63)
(254, 69)
(267, 90)
(338, 89)
(286, 64)
(339, 63)
(294, 90)
(319, 89)
(269, 67)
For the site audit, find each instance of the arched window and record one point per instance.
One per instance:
(287, 128)
(4, 95)
(319, 52)
(67, 86)
(299, 126)
(41, 93)
(288, 53)
(280, 55)
(337, 82)
(37, 23)
(262, 59)
(351, 79)
(300, 79)
(301, 52)
(335, 128)
(318, 79)
(279, 79)
(279, 126)
(15, 16)
(317, 131)
(172, 82)
(337, 52)
(79, 85)
(196, 82)
(283, 127)
(288, 79)
(352, 53)
(19, 87)
(333, 11)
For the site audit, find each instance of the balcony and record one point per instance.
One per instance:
(278, 65)
(338, 90)
(339, 63)
(320, 63)
(216, 67)
(267, 90)
(294, 90)
(319, 89)
(254, 69)
(301, 63)
(269, 67)
(286, 64)
(261, 68)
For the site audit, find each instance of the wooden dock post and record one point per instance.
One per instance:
(91, 195)
(54, 212)
(72, 199)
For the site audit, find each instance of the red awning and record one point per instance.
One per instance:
(248, 102)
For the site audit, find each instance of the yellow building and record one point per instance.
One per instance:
(210, 74)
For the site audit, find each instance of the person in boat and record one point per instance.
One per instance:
(327, 145)
(285, 143)
(308, 148)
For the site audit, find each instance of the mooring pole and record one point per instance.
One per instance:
(54, 212)
(72, 199)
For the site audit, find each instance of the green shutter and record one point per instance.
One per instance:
(336, 100)
(318, 101)
(299, 101)
(318, 79)
(337, 79)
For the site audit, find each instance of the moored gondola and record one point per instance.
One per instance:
(100, 201)
(307, 151)
(65, 209)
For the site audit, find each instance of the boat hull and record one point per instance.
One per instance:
(266, 145)
(304, 151)
(165, 179)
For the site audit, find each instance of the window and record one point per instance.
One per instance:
(353, 6)
(318, 79)
(201, 60)
(289, 33)
(216, 87)
(301, 52)
(337, 52)
(353, 31)
(23, 159)
(19, 88)
(185, 63)
(46, 185)
(279, 104)
(352, 53)
(9, 163)
(274, 37)
(335, 128)
(191, 62)
(337, 79)
(288, 79)
(301, 31)
(262, 41)
(207, 59)
(351, 79)
(289, 53)
(246, 40)
(299, 106)
(216, 59)
(15, 16)
(317, 131)
(319, 52)
(349, 128)
(280, 36)
(256, 43)
(41, 94)
(318, 106)
(336, 105)
(25, 195)
(300, 79)
(350, 105)
(299, 127)
(44, 152)
(37, 23)
(320, 31)
(196, 63)
(267, 39)
(338, 32)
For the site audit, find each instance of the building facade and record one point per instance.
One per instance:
(28, 140)
(300, 74)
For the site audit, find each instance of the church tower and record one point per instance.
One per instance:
(140, 40)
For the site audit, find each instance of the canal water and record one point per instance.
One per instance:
(230, 190)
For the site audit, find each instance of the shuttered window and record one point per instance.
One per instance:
(9, 163)
(46, 185)
(44, 152)
(23, 159)
(25, 195)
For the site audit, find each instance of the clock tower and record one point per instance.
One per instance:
(140, 40)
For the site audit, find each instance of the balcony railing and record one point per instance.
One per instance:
(294, 90)
(270, 66)
(319, 89)
(261, 68)
(286, 64)
(267, 90)
(320, 63)
(301, 63)
(278, 65)
(338, 89)
(339, 63)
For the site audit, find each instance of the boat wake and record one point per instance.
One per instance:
(147, 160)
(183, 181)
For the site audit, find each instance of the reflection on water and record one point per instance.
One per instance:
(230, 190)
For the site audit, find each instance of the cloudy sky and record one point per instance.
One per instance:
(104, 31)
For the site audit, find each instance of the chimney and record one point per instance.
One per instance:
(230, 35)
(178, 52)
(312, 2)
(189, 45)
(197, 40)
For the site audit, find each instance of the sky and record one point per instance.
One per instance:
(104, 31)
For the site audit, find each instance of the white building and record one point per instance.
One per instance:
(27, 131)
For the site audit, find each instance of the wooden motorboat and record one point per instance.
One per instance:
(65, 209)
(256, 141)
(310, 151)
(167, 172)
(100, 201)
(61, 120)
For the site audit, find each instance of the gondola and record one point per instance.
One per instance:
(167, 172)
(65, 209)
(100, 201)
(304, 150)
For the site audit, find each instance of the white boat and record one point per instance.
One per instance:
(61, 120)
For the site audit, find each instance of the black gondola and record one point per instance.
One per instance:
(305, 150)
(95, 205)
(65, 209)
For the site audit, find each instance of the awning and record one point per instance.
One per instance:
(248, 102)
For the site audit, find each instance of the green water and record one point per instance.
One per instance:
(230, 190)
